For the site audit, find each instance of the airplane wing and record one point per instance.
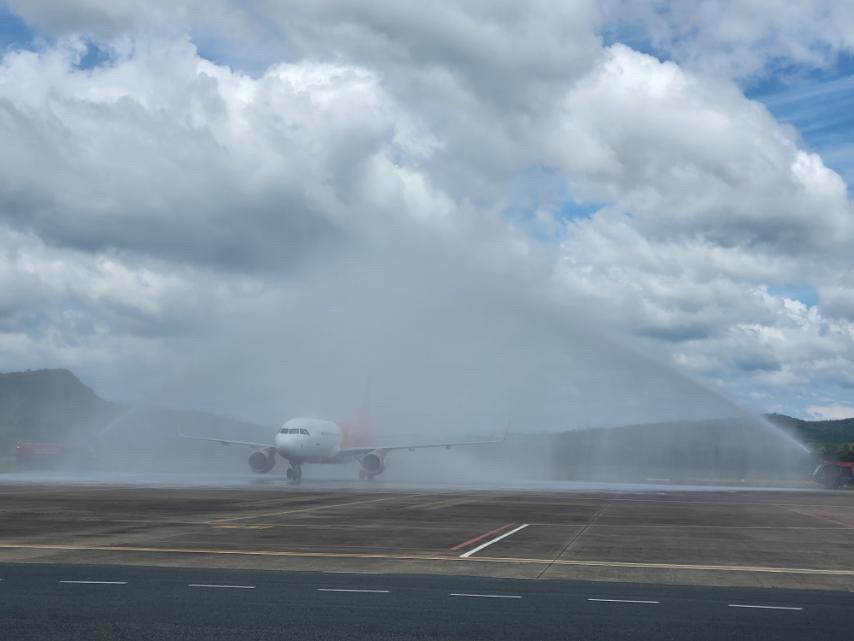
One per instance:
(225, 441)
(356, 451)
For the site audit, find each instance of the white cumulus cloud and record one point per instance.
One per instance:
(831, 412)
(435, 164)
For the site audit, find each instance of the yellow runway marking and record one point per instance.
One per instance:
(438, 505)
(427, 557)
(685, 566)
(661, 526)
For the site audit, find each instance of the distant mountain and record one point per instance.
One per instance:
(838, 431)
(828, 439)
(53, 405)
(48, 404)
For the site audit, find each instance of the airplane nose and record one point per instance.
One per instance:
(290, 446)
(283, 447)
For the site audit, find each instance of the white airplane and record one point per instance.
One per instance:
(313, 440)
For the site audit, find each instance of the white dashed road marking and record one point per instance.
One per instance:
(764, 607)
(97, 582)
(488, 596)
(351, 590)
(624, 601)
(217, 585)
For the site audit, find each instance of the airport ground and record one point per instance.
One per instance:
(378, 554)
(46, 602)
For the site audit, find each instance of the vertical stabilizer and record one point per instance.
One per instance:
(364, 416)
(359, 433)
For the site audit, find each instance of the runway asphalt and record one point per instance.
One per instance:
(43, 602)
(728, 538)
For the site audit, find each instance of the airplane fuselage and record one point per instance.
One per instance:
(310, 440)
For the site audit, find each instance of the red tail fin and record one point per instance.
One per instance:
(364, 417)
(360, 432)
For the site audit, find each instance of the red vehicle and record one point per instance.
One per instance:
(39, 455)
(834, 474)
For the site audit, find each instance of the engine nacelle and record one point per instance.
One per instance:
(262, 461)
(373, 463)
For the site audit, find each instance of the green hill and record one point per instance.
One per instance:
(838, 431)
(829, 439)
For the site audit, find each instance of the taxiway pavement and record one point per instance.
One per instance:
(781, 539)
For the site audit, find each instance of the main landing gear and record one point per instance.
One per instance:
(294, 474)
(365, 476)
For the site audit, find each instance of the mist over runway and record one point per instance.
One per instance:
(346, 483)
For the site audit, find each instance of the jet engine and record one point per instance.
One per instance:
(262, 461)
(373, 463)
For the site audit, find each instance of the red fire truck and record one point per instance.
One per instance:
(39, 455)
(834, 474)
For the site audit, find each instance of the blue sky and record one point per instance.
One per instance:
(820, 105)
(14, 32)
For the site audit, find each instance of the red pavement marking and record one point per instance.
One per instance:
(482, 536)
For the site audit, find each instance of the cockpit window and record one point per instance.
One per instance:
(294, 430)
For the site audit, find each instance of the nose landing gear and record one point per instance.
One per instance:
(294, 474)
